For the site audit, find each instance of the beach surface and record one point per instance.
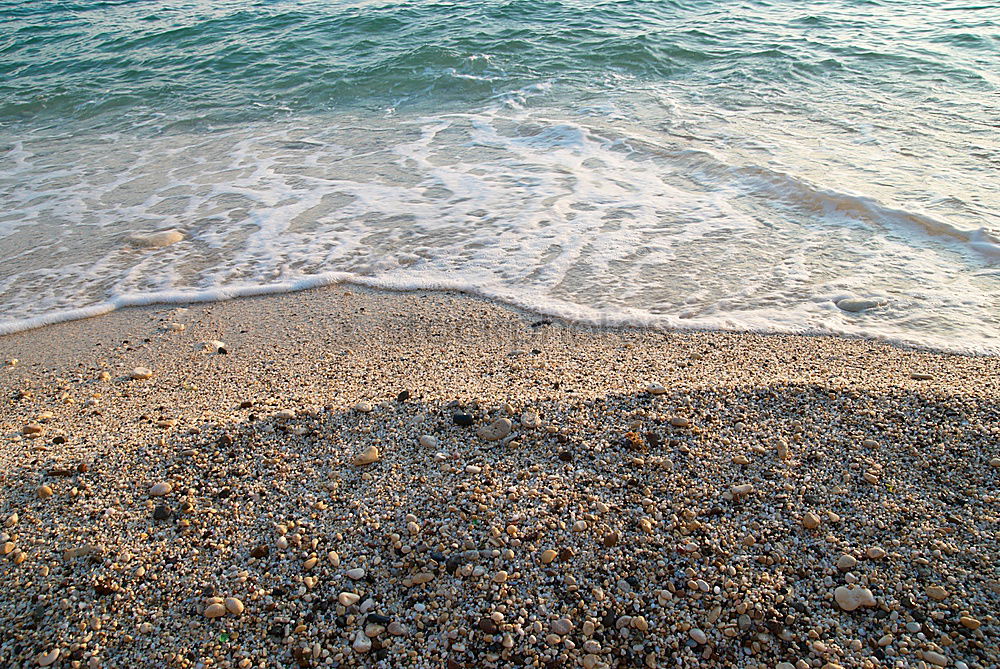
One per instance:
(345, 477)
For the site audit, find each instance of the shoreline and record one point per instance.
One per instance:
(543, 494)
(347, 282)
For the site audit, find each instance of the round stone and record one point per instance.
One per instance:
(234, 605)
(140, 373)
(160, 489)
(215, 610)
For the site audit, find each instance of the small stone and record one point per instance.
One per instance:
(397, 629)
(488, 625)
(995, 463)
(234, 606)
(969, 622)
(429, 441)
(500, 577)
(921, 376)
(496, 430)
(640, 623)
(259, 551)
(680, 421)
(161, 512)
(886, 640)
(366, 457)
(362, 643)
(155, 240)
(548, 556)
(741, 460)
(355, 574)
(846, 563)
(160, 489)
(530, 420)
(937, 593)
(935, 658)
(422, 577)
(215, 610)
(44, 492)
(310, 563)
(11, 520)
(850, 598)
(363, 407)
(140, 373)
(875, 553)
(742, 490)
(462, 419)
(699, 637)
(32, 429)
(563, 626)
(348, 599)
(334, 558)
(856, 304)
(655, 389)
(45, 659)
(810, 521)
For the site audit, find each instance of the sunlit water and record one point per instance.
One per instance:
(707, 164)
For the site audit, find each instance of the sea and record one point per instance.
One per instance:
(798, 166)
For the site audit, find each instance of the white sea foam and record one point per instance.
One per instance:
(582, 216)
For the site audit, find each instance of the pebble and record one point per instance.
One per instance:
(44, 492)
(563, 626)
(699, 636)
(741, 490)
(140, 373)
(355, 574)
(215, 610)
(366, 457)
(741, 460)
(530, 420)
(496, 430)
(921, 376)
(45, 659)
(500, 577)
(548, 556)
(348, 598)
(160, 489)
(969, 622)
(429, 441)
(995, 463)
(310, 563)
(937, 593)
(680, 421)
(846, 562)
(656, 389)
(875, 553)
(362, 642)
(935, 658)
(155, 240)
(234, 605)
(363, 407)
(850, 598)
(856, 304)
(32, 430)
(810, 521)
(462, 419)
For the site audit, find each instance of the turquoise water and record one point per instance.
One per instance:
(737, 165)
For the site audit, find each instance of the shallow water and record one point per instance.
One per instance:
(736, 165)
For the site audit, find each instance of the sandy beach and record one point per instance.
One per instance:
(345, 477)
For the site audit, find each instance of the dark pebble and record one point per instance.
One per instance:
(462, 419)
(161, 513)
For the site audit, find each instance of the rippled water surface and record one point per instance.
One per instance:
(720, 164)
